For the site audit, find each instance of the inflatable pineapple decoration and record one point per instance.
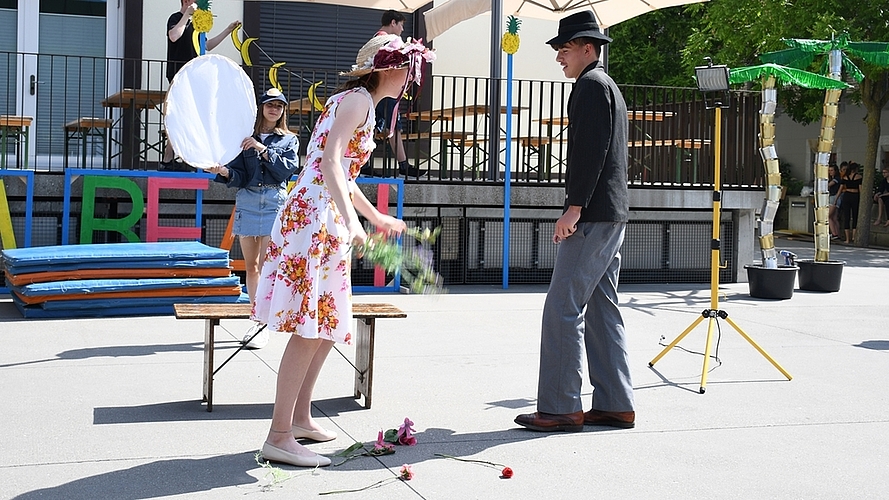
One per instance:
(510, 40)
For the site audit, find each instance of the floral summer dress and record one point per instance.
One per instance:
(305, 285)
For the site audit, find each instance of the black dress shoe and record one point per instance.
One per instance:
(622, 419)
(551, 422)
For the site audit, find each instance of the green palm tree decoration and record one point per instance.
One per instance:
(801, 54)
(770, 75)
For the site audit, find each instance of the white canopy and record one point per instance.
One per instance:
(447, 14)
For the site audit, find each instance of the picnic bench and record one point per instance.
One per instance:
(366, 314)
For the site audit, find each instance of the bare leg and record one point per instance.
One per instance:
(298, 358)
(169, 154)
(398, 146)
(833, 221)
(880, 209)
(253, 248)
(302, 412)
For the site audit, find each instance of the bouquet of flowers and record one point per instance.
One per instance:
(415, 262)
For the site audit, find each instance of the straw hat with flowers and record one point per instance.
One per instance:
(388, 51)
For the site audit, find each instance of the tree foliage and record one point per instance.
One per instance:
(647, 50)
(663, 47)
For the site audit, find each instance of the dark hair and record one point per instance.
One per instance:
(369, 81)
(391, 15)
(582, 40)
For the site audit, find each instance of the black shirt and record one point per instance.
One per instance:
(182, 50)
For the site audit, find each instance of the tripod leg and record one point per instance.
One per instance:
(676, 341)
(707, 354)
(760, 349)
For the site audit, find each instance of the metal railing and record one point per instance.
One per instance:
(446, 125)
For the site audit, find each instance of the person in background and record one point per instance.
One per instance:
(850, 192)
(881, 197)
(180, 50)
(392, 23)
(833, 187)
(581, 310)
(260, 172)
(305, 289)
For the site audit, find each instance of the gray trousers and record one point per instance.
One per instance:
(581, 309)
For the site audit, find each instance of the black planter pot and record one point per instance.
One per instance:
(776, 283)
(820, 276)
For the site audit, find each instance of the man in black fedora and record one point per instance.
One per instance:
(581, 308)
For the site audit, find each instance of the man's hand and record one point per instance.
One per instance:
(567, 224)
(231, 27)
(189, 9)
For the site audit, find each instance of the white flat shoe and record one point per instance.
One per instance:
(318, 436)
(275, 454)
(259, 340)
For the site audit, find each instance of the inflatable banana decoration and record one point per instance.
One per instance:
(273, 75)
(196, 40)
(316, 103)
(236, 37)
(245, 52)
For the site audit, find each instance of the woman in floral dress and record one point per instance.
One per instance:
(305, 288)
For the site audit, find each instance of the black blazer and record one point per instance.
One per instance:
(596, 176)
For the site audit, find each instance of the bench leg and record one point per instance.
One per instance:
(209, 334)
(364, 360)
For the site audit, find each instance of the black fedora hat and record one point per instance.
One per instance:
(582, 24)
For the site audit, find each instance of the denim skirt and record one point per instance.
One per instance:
(256, 209)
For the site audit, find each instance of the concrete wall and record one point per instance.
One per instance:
(645, 204)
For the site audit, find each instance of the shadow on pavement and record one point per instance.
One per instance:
(157, 479)
(113, 352)
(179, 411)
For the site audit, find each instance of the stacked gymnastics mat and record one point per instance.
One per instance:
(117, 279)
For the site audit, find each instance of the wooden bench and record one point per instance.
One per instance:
(366, 314)
(18, 130)
(81, 130)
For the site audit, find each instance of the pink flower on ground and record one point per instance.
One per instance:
(404, 433)
(406, 473)
(381, 445)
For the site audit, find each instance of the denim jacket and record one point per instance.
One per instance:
(249, 169)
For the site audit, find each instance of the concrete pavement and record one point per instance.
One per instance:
(111, 408)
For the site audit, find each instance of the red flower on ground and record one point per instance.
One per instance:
(406, 473)
(506, 473)
(404, 433)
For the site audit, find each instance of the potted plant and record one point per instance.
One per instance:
(771, 280)
(822, 274)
